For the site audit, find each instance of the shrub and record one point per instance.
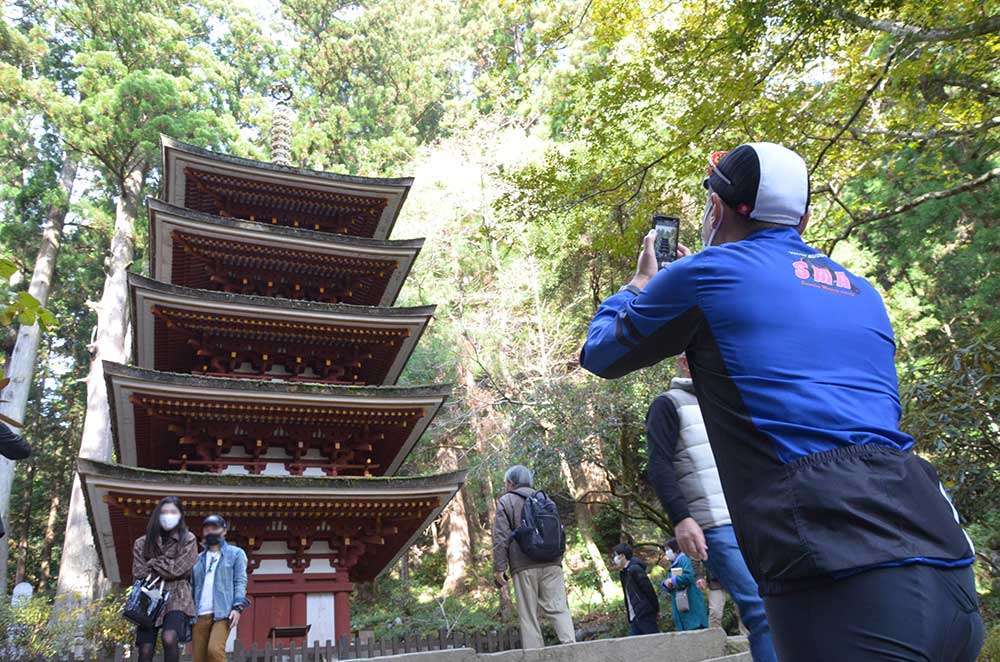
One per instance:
(31, 630)
(991, 649)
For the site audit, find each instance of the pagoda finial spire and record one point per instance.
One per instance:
(281, 125)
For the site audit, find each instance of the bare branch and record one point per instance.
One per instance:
(857, 111)
(916, 32)
(970, 185)
(921, 135)
(970, 83)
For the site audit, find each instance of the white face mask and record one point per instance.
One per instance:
(168, 521)
(706, 224)
(618, 560)
(670, 555)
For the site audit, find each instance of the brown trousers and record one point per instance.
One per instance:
(208, 639)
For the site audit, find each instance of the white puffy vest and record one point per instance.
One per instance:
(694, 462)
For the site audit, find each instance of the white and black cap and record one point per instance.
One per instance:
(763, 181)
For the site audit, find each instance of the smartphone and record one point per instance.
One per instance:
(667, 232)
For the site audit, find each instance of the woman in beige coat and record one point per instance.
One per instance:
(168, 551)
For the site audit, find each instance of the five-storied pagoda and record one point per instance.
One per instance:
(266, 349)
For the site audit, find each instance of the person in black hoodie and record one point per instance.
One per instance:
(12, 446)
(641, 605)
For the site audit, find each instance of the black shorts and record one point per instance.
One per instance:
(912, 613)
(173, 620)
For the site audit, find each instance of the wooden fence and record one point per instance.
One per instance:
(344, 649)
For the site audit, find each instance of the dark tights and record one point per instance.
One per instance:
(173, 625)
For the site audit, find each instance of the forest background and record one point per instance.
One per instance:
(542, 135)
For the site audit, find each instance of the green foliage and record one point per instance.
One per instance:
(26, 310)
(28, 631)
(985, 535)
(991, 647)
(394, 607)
(375, 79)
(951, 400)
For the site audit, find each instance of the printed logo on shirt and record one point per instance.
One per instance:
(822, 273)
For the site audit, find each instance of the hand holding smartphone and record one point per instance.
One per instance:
(667, 233)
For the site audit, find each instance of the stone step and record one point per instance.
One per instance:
(737, 644)
(695, 646)
(692, 646)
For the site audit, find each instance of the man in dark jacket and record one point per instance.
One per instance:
(641, 606)
(792, 359)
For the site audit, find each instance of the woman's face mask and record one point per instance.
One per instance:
(618, 560)
(169, 521)
(670, 555)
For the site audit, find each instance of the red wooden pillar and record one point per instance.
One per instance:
(342, 613)
(298, 609)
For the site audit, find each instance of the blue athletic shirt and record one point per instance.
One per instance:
(792, 357)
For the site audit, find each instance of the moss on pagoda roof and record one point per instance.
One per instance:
(195, 382)
(159, 206)
(430, 482)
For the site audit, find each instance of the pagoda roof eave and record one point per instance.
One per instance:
(145, 293)
(164, 218)
(119, 377)
(265, 485)
(403, 251)
(96, 476)
(252, 300)
(394, 189)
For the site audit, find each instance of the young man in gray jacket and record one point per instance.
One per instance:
(539, 586)
(683, 474)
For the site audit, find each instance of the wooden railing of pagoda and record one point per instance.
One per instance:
(346, 648)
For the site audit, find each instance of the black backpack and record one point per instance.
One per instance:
(541, 535)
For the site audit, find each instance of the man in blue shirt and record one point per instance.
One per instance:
(793, 363)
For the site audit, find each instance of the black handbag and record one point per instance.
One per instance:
(145, 602)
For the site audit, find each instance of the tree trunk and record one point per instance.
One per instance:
(25, 524)
(585, 523)
(80, 575)
(485, 427)
(45, 567)
(21, 365)
(458, 544)
(404, 567)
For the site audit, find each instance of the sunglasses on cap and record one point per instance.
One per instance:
(713, 166)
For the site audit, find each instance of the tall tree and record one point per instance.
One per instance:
(21, 365)
(377, 78)
(457, 529)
